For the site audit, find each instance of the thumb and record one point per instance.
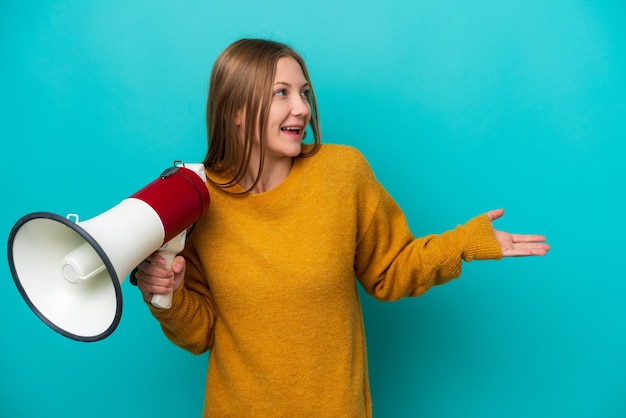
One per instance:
(178, 267)
(495, 214)
(179, 264)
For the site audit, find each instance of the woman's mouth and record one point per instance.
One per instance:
(293, 131)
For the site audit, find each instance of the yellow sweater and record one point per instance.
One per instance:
(270, 287)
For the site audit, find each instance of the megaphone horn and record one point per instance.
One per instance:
(70, 272)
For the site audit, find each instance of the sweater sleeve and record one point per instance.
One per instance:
(391, 263)
(189, 323)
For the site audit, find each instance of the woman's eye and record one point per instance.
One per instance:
(281, 92)
(304, 93)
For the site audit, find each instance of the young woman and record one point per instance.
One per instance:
(267, 279)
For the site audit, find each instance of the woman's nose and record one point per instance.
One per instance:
(300, 106)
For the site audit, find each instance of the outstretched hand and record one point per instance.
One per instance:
(518, 245)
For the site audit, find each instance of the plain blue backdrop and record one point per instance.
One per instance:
(459, 106)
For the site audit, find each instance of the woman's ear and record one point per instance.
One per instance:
(239, 116)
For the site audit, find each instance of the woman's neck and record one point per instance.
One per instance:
(273, 175)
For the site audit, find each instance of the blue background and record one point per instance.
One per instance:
(459, 106)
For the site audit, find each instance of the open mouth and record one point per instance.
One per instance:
(292, 130)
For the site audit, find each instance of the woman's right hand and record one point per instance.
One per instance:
(153, 277)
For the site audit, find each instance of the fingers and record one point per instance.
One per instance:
(530, 244)
(526, 245)
(524, 251)
(528, 238)
(520, 245)
(156, 260)
(155, 275)
(530, 248)
(153, 278)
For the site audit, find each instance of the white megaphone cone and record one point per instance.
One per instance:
(70, 272)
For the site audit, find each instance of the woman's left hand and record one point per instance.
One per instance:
(518, 245)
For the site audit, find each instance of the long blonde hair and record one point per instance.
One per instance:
(242, 79)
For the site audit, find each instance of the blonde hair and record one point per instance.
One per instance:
(242, 79)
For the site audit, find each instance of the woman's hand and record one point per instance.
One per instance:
(153, 277)
(518, 245)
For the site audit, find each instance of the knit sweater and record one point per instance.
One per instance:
(270, 286)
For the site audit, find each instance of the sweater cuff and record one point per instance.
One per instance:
(480, 240)
(173, 314)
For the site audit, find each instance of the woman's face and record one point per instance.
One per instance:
(290, 111)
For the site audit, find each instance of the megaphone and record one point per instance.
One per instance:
(70, 272)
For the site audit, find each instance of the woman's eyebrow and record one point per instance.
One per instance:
(284, 83)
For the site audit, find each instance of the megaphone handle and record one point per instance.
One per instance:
(169, 251)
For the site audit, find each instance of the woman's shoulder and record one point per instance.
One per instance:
(340, 155)
(338, 163)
